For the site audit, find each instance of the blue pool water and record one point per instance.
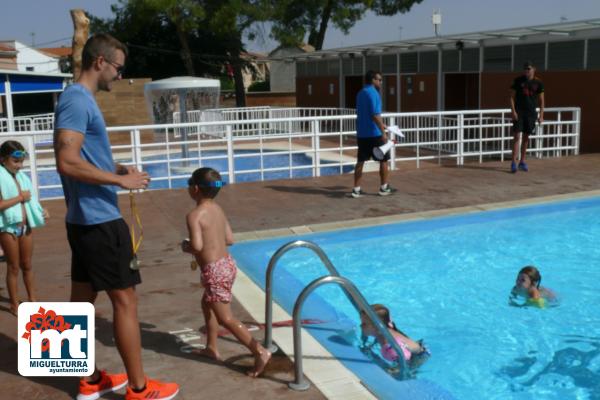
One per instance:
(447, 280)
(241, 165)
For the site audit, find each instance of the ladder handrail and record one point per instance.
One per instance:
(268, 341)
(360, 302)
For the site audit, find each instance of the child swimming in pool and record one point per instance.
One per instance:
(410, 348)
(528, 286)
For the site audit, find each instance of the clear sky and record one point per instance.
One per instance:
(50, 20)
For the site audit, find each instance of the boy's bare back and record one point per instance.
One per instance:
(210, 233)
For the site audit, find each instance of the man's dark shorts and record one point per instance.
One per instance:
(366, 146)
(101, 255)
(525, 124)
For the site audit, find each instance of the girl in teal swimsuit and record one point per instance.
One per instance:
(19, 212)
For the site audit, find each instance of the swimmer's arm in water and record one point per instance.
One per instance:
(534, 293)
(193, 224)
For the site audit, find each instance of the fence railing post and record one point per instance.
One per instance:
(560, 133)
(137, 150)
(417, 136)
(317, 147)
(230, 161)
(33, 166)
(577, 117)
(461, 139)
(393, 149)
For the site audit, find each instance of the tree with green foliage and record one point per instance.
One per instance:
(294, 19)
(210, 34)
(232, 21)
(185, 15)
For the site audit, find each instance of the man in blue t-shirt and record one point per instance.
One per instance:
(370, 133)
(102, 252)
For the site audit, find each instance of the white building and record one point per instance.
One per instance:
(283, 72)
(32, 60)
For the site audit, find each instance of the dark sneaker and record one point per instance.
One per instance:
(513, 167)
(385, 192)
(523, 166)
(357, 193)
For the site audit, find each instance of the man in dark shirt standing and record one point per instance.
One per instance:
(526, 91)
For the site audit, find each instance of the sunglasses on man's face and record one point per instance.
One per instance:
(118, 67)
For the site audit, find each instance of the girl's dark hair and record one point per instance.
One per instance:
(384, 316)
(208, 181)
(533, 274)
(9, 146)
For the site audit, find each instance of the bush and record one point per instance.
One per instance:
(260, 86)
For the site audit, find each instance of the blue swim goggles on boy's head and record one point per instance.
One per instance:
(18, 154)
(217, 184)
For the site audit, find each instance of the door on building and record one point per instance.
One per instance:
(461, 92)
(353, 84)
(390, 93)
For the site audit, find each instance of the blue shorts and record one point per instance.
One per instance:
(17, 230)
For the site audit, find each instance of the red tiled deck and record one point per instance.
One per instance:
(170, 293)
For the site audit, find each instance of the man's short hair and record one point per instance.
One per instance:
(528, 64)
(370, 75)
(101, 44)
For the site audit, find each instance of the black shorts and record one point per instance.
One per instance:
(525, 124)
(101, 255)
(366, 146)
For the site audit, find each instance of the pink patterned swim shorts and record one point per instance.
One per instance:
(217, 278)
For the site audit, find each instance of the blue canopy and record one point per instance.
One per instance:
(21, 83)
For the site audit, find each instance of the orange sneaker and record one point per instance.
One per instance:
(108, 383)
(155, 390)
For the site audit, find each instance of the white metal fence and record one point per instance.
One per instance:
(309, 145)
(39, 122)
(256, 121)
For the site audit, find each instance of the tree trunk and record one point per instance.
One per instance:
(240, 91)
(323, 26)
(81, 27)
(186, 54)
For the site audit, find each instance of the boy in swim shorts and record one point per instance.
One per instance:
(209, 236)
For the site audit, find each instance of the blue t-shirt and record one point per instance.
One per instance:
(87, 204)
(368, 104)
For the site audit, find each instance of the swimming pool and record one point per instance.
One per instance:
(242, 165)
(447, 280)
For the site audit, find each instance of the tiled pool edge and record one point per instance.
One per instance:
(329, 375)
(390, 219)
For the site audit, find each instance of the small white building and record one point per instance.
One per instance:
(283, 72)
(29, 59)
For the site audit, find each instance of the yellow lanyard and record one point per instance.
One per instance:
(136, 220)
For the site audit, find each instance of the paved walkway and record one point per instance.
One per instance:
(170, 293)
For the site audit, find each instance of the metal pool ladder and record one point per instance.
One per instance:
(351, 291)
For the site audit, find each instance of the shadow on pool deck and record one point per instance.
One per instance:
(169, 297)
